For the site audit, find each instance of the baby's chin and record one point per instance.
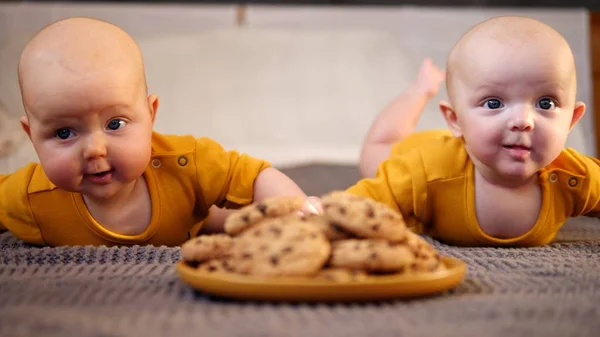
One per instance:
(518, 175)
(507, 175)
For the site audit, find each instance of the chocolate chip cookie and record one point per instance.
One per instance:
(372, 255)
(363, 217)
(280, 247)
(206, 247)
(250, 215)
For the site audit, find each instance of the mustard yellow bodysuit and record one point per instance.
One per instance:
(429, 179)
(185, 177)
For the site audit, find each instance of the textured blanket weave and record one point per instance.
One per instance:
(135, 291)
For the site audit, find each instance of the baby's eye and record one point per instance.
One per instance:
(492, 104)
(63, 133)
(116, 124)
(546, 104)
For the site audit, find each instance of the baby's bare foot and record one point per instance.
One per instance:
(10, 133)
(430, 78)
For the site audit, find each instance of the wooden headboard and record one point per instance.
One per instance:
(595, 63)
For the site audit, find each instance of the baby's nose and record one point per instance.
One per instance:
(95, 146)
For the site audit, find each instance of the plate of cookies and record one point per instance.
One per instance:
(356, 250)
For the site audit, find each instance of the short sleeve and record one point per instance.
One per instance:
(401, 184)
(588, 201)
(15, 211)
(226, 178)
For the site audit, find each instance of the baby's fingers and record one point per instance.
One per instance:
(312, 205)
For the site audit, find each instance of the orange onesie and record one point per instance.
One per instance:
(185, 177)
(429, 179)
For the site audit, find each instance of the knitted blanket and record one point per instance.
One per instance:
(135, 291)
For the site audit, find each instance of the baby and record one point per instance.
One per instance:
(501, 175)
(104, 177)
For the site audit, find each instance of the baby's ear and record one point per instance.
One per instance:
(578, 112)
(451, 118)
(25, 126)
(153, 105)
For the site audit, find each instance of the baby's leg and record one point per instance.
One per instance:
(399, 118)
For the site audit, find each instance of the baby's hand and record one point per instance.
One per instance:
(312, 205)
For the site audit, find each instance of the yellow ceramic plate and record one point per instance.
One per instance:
(298, 289)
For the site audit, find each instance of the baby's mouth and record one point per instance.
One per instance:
(517, 147)
(100, 174)
(101, 177)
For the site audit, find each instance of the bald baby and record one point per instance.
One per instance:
(103, 170)
(512, 36)
(71, 52)
(502, 175)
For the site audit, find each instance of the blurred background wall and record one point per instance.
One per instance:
(293, 83)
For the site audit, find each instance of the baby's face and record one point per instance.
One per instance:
(515, 107)
(92, 131)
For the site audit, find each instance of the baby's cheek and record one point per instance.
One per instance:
(62, 170)
(132, 160)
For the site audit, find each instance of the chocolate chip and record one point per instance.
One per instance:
(246, 256)
(212, 268)
(193, 264)
(275, 230)
(342, 210)
(337, 227)
(370, 212)
(375, 227)
(274, 260)
(287, 250)
(373, 255)
(262, 208)
(246, 218)
(402, 241)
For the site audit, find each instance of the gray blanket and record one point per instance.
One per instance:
(135, 291)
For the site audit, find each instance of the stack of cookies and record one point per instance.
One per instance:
(354, 238)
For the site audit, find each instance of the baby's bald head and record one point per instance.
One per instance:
(74, 51)
(507, 34)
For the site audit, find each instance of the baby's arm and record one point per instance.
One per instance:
(399, 118)
(272, 183)
(229, 180)
(16, 214)
(269, 183)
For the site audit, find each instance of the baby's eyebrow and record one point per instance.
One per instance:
(489, 86)
(57, 122)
